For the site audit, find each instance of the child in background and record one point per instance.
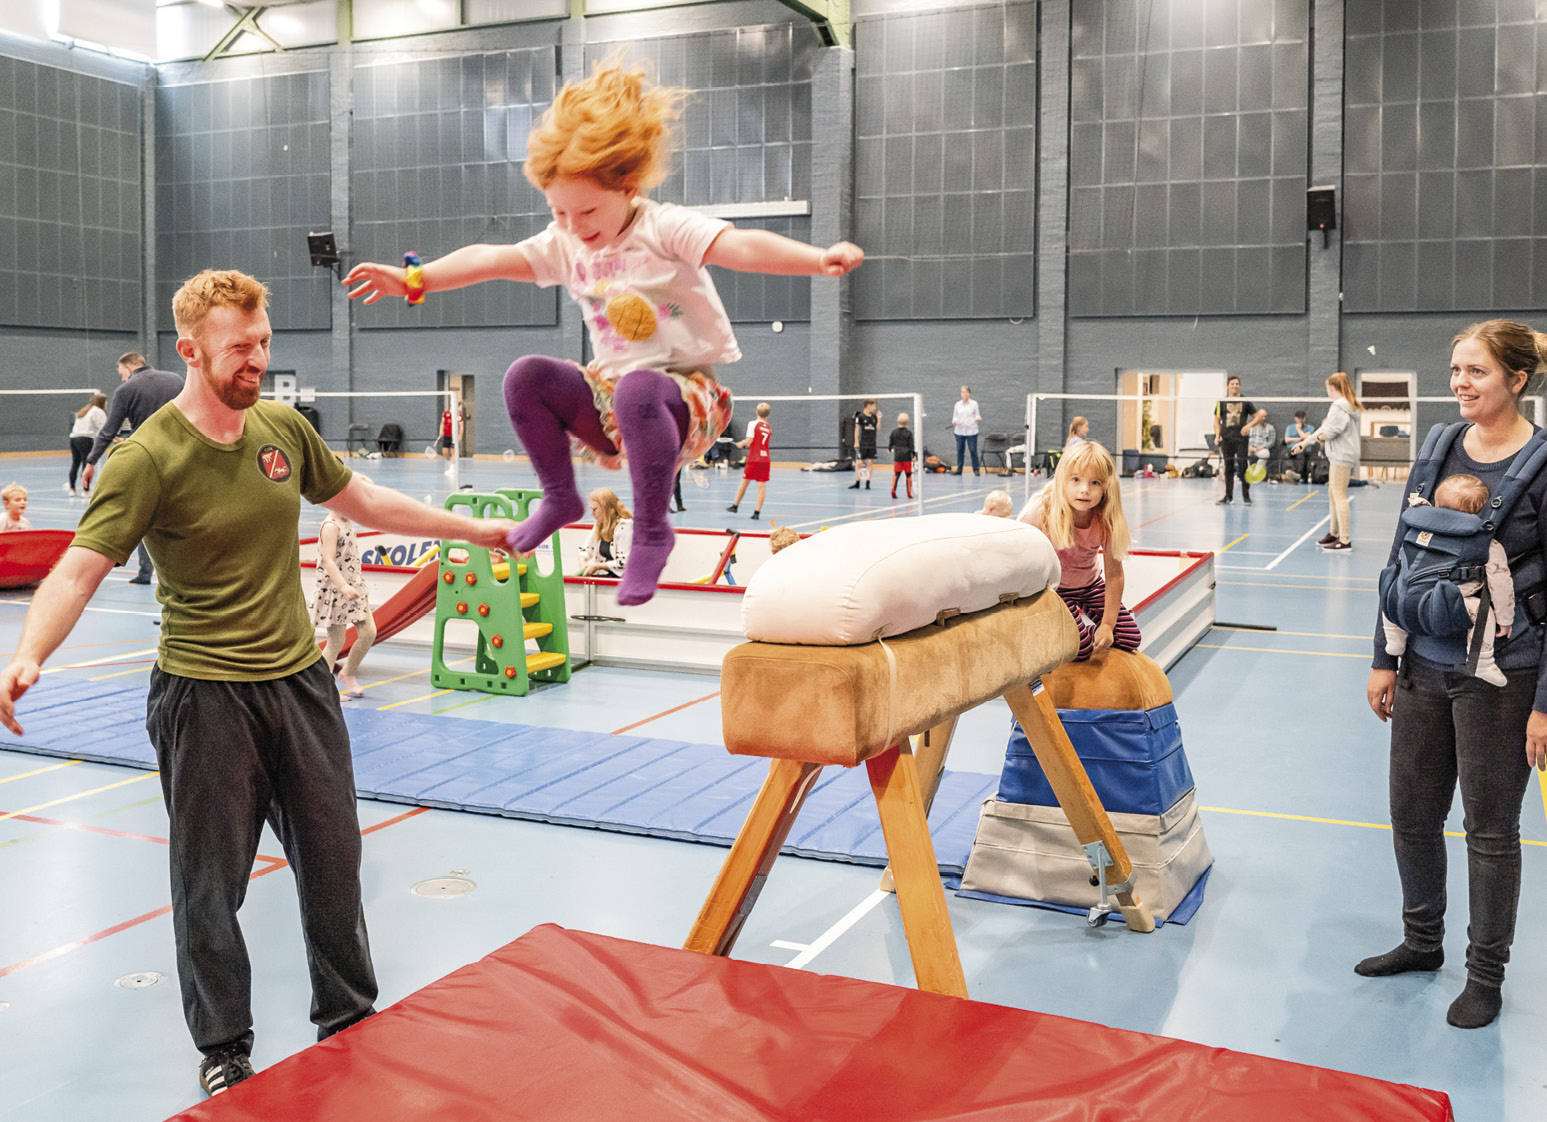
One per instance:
(782, 538)
(342, 599)
(637, 269)
(866, 422)
(901, 445)
(1081, 512)
(606, 551)
(756, 469)
(15, 496)
(997, 503)
(1470, 494)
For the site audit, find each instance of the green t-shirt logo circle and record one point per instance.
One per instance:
(274, 463)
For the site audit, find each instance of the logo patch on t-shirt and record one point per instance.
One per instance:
(274, 463)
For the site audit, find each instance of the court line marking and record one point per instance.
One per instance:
(1279, 650)
(1307, 587)
(1296, 503)
(832, 934)
(1273, 564)
(1237, 542)
(1338, 821)
(122, 673)
(39, 771)
(411, 700)
(1289, 576)
(1541, 781)
(1305, 634)
(666, 713)
(81, 795)
(273, 864)
(460, 704)
(110, 660)
(786, 945)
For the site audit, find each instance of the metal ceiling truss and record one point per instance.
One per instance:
(246, 23)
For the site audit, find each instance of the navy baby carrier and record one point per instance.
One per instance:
(1443, 548)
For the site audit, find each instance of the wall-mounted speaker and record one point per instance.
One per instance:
(1321, 209)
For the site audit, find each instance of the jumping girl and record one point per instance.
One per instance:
(1081, 512)
(637, 269)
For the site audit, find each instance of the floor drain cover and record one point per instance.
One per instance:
(138, 981)
(444, 886)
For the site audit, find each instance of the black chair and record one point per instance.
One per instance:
(359, 438)
(994, 444)
(389, 441)
(313, 417)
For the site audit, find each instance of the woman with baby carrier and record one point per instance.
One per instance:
(1449, 726)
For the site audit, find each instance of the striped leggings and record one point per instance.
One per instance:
(1087, 605)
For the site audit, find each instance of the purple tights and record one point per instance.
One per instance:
(548, 400)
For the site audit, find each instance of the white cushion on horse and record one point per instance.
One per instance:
(867, 580)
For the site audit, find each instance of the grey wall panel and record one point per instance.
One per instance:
(1219, 125)
(945, 126)
(1457, 105)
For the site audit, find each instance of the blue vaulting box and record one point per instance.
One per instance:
(1134, 759)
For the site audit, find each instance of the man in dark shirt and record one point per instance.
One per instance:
(1234, 418)
(144, 390)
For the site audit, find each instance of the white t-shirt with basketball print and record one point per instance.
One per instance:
(647, 299)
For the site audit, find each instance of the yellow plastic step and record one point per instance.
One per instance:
(529, 598)
(543, 660)
(536, 630)
(502, 570)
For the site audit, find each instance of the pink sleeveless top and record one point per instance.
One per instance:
(1079, 564)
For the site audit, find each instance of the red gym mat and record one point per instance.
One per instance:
(564, 1025)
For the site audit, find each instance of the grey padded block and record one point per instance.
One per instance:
(1254, 203)
(1512, 203)
(1398, 206)
(988, 161)
(1474, 273)
(1149, 282)
(1474, 133)
(1399, 137)
(1254, 150)
(1219, 81)
(1117, 218)
(1084, 297)
(1362, 70)
(1399, 67)
(1436, 135)
(1288, 278)
(1539, 273)
(1398, 277)
(1437, 64)
(1186, 83)
(1289, 146)
(1512, 272)
(1436, 205)
(1150, 217)
(1220, 25)
(1256, 77)
(1186, 149)
(1514, 131)
(1154, 151)
(957, 290)
(1515, 63)
(1116, 283)
(1219, 147)
(1216, 295)
(1361, 276)
(928, 290)
(1185, 214)
(1118, 140)
(929, 225)
(1474, 204)
(1475, 61)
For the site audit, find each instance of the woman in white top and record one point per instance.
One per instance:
(89, 420)
(606, 550)
(1339, 438)
(964, 419)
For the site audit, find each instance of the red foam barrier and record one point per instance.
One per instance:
(26, 556)
(564, 1025)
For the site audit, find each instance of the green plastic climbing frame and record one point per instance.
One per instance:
(513, 605)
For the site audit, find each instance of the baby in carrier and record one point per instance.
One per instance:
(1469, 494)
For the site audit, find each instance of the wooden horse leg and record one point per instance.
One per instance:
(1066, 775)
(751, 857)
(920, 897)
(929, 759)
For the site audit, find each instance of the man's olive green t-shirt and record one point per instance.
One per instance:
(220, 522)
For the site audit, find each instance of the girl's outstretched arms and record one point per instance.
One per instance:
(472, 264)
(762, 251)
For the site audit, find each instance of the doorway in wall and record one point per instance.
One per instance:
(1177, 403)
(462, 386)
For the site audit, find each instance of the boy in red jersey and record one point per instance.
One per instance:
(758, 461)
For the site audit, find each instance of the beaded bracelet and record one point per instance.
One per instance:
(413, 278)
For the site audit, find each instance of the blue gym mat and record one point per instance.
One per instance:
(627, 784)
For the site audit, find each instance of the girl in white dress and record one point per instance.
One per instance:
(342, 598)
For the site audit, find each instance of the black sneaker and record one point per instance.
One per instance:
(755, 516)
(221, 1071)
(1328, 540)
(731, 508)
(1223, 502)
(854, 486)
(1332, 547)
(1248, 502)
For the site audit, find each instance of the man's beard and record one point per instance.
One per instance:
(232, 395)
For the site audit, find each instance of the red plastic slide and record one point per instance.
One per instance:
(412, 602)
(26, 556)
(564, 1026)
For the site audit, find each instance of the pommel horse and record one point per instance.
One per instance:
(810, 706)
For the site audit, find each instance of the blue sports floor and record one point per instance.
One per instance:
(1289, 762)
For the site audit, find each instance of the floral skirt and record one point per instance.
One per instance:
(709, 411)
